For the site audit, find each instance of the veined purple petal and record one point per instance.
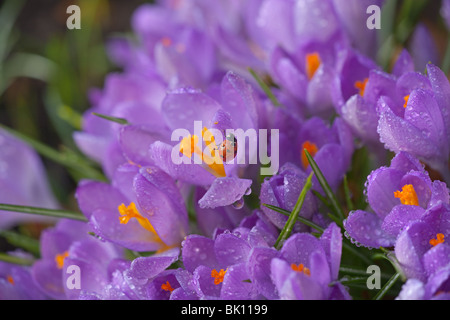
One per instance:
(181, 108)
(436, 258)
(106, 224)
(235, 286)
(399, 135)
(410, 247)
(382, 183)
(423, 112)
(258, 266)
(403, 64)
(161, 203)
(225, 191)
(365, 228)
(239, 100)
(231, 249)
(331, 241)
(161, 155)
(198, 250)
(441, 90)
(399, 218)
(146, 268)
(93, 195)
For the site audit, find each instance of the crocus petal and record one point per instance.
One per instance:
(198, 250)
(135, 142)
(299, 247)
(161, 203)
(182, 107)
(403, 64)
(258, 267)
(225, 191)
(93, 195)
(381, 185)
(411, 245)
(230, 249)
(361, 117)
(106, 224)
(239, 100)
(424, 113)
(146, 268)
(235, 286)
(436, 258)
(161, 155)
(331, 241)
(365, 228)
(204, 283)
(400, 135)
(441, 89)
(413, 289)
(399, 218)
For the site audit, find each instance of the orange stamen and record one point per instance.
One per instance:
(408, 195)
(166, 42)
(406, 98)
(59, 259)
(167, 287)
(10, 279)
(127, 213)
(300, 268)
(218, 276)
(313, 63)
(213, 162)
(439, 239)
(361, 86)
(312, 150)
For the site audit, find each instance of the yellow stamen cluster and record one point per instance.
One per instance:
(408, 195)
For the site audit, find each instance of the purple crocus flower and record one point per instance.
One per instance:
(420, 125)
(436, 288)
(55, 243)
(217, 268)
(307, 266)
(398, 195)
(422, 249)
(143, 278)
(235, 107)
(141, 210)
(16, 282)
(282, 190)
(23, 181)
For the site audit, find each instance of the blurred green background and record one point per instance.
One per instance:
(46, 71)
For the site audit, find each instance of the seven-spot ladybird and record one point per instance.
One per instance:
(228, 148)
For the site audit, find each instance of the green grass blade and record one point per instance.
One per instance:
(21, 241)
(388, 285)
(70, 160)
(110, 118)
(287, 230)
(15, 260)
(265, 88)
(299, 218)
(44, 212)
(325, 186)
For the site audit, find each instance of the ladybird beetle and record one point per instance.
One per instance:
(228, 148)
